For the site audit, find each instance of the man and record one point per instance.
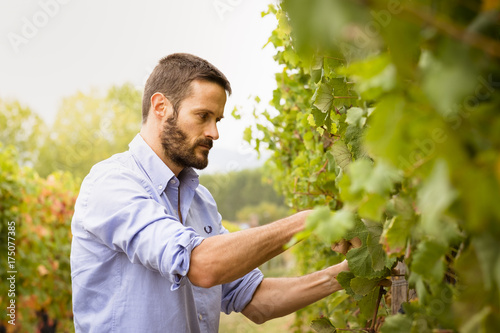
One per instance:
(149, 253)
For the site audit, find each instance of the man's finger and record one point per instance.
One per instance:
(341, 247)
(356, 242)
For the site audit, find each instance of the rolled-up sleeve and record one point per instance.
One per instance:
(121, 214)
(237, 294)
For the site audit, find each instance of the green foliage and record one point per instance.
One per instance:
(388, 116)
(42, 209)
(231, 227)
(10, 191)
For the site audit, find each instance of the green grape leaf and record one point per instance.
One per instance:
(341, 92)
(354, 139)
(434, 197)
(363, 286)
(356, 117)
(330, 227)
(428, 261)
(369, 260)
(380, 261)
(331, 64)
(323, 97)
(247, 134)
(318, 216)
(401, 206)
(373, 77)
(235, 114)
(487, 251)
(372, 207)
(309, 141)
(316, 68)
(368, 303)
(341, 154)
(360, 171)
(319, 117)
(311, 121)
(397, 324)
(443, 84)
(344, 278)
(360, 261)
(336, 299)
(323, 325)
(373, 178)
(291, 57)
(395, 236)
(382, 178)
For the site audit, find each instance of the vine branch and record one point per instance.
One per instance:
(488, 45)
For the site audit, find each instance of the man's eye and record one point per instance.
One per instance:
(203, 115)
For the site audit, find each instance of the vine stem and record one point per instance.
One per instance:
(323, 168)
(374, 320)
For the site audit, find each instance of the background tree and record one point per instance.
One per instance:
(23, 129)
(233, 191)
(262, 213)
(90, 128)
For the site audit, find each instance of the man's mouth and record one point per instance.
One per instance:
(206, 144)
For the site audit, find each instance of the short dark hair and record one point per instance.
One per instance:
(173, 75)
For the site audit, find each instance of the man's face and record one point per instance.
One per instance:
(186, 140)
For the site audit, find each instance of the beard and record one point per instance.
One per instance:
(177, 148)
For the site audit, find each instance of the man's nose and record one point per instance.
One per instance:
(212, 131)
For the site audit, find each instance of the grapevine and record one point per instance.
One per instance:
(388, 124)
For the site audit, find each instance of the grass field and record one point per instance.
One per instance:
(238, 323)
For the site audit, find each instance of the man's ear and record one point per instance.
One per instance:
(160, 105)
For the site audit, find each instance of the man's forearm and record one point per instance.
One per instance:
(277, 297)
(225, 258)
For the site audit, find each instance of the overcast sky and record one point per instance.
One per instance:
(53, 48)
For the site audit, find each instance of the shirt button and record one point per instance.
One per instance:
(160, 187)
(173, 181)
(200, 316)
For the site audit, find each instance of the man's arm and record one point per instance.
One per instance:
(277, 297)
(225, 258)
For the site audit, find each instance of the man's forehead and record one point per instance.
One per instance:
(206, 96)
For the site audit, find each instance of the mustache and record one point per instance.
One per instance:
(205, 142)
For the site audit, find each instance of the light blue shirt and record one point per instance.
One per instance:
(130, 254)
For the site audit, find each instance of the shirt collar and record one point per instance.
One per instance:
(159, 173)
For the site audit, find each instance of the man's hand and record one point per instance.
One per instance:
(345, 245)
